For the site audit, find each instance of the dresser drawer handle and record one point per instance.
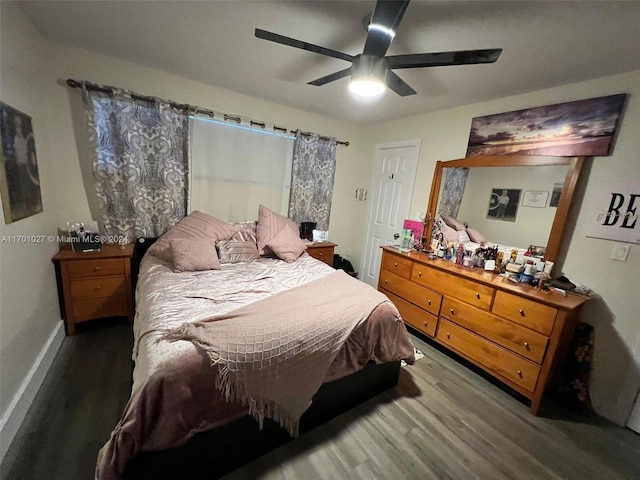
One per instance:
(99, 287)
(428, 301)
(426, 324)
(526, 345)
(452, 312)
(448, 336)
(519, 373)
(96, 269)
(395, 264)
(521, 311)
(386, 282)
(320, 254)
(478, 296)
(419, 274)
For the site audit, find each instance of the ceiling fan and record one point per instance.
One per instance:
(372, 70)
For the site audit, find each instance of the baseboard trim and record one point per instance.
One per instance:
(19, 406)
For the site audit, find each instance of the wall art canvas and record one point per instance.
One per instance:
(584, 127)
(503, 204)
(19, 182)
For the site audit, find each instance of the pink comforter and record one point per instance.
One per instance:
(173, 396)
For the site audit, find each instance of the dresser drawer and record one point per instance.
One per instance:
(398, 265)
(525, 312)
(466, 290)
(101, 307)
(415, 316)
(88, 268)
(422, 297)
(98, 287)
(523, 341)
(495, 358)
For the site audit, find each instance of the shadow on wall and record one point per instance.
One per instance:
(85, 154)
(616, 371)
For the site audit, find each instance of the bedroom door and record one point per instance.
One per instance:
(391, 188)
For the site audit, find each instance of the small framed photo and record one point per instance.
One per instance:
(535, 198)
(503, 204)
(537, 251)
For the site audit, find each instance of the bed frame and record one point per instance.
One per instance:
(212, 454)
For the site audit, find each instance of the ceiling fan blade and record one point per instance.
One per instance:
(292, 42)
(387, 14)
(443, 59)
(331, 78)
(395, 83)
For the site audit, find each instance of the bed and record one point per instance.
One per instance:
(177, 391)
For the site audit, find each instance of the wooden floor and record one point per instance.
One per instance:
(443, 421)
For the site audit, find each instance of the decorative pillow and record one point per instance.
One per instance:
(269, 225)
(246, 232)
(450, 234)
(453, 223)
(287, 245)
(194, 254)
(463, 237)
(475, 235)
(194, 225)
(234, 251)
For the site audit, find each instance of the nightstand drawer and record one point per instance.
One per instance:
(91, 308)
(98, 287)
(324, 254)
(89, 268)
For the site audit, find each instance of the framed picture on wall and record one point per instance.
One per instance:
(535, 198)
(19, 179)
(503, 204)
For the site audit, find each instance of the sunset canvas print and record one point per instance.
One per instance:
(584, 127)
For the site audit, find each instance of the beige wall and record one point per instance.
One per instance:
(615, 376)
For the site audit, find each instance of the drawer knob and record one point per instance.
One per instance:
(386, 281)
(478, 296)
(96, 269)
(419, 274)
(395, 264)
(426, 324)
(98, 287)
(319, 254)
(428, 301)
(521, 312)
(526, 345)
(519, 372)
(448, 335)
(452, 312)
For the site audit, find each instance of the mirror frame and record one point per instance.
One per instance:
(556, 234)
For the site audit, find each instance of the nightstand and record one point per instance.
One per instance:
(94, 284)
(322, 251)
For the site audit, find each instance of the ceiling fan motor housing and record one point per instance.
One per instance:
(369, 67)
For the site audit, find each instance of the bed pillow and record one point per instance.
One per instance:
(450, 234)
(246, 232)
(475, 235)
(454, 223)
(234, 251)
(269, 225)
(287, 245)
(463, 237)
(194, 225)
(194, 254)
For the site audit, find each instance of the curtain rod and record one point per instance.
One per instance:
(194, 109)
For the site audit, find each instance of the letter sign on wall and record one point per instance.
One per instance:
(617, 214)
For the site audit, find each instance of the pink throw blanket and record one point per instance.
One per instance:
(276, 368)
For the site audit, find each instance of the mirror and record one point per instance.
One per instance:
(538, 192)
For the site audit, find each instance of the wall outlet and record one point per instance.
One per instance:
(620, 251)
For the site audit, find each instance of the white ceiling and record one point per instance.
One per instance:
(545, 44)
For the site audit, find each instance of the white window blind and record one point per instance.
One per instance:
(235, 168)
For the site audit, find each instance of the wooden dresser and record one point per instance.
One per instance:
(517, 333)
(322, 251)
(94, 284)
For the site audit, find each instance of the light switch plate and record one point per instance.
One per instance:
(620, 251)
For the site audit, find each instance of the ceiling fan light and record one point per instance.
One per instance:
(365, 87)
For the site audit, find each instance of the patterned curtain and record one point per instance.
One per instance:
(140, 162)
(453, 183)
(313, 171)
